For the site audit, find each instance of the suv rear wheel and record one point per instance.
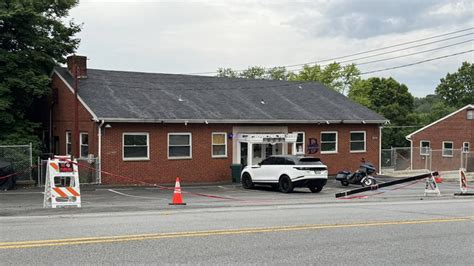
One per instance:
(285, 184)
(315, 188)
(247, 181)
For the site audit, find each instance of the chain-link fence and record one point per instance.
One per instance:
(19, 159)
(406, 160)
(89, 171)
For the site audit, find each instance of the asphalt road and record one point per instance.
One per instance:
(257, 227)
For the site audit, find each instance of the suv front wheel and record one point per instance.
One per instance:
(247, 181)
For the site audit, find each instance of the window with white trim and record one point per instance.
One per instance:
(447, 149)
(470, 114)
(136, 146)
(299, 145)
(84, 143)
(357, 141)
(329, 142)
(68, 142)
(179, 146)
(424, 147)
(465, 147)
(219, 144)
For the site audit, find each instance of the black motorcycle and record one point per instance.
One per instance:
(363, 176)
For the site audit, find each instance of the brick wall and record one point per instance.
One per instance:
(63, 117)
(455, 128)
(202, 167)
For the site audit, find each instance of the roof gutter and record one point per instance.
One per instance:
(239, 121)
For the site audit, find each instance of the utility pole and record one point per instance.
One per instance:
(75, 138)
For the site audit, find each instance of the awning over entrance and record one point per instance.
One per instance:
(267, 138)
(255, 147)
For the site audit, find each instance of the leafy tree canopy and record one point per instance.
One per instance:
(457, 89)
(256, 72)
(392, 100)
(335, 76)
(33, 38)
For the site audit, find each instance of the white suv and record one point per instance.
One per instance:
(287, 172)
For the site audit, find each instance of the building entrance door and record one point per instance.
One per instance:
(256, 147)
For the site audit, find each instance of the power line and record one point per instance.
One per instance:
(359, 53)
(384, 48)
(420, 52)
(416, 63)
(406, 48)
(398, 50)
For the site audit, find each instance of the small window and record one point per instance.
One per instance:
(84, 137)
(179, 146)
(357, 141)
(424, 147)
(447, 149)
(299, 145)
(465, 147)
(68, 142)
(135, 146)
(328, 142)
(470, 114)
(219, 145)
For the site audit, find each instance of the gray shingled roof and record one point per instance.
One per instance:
(149, 97)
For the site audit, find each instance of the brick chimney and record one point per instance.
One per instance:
(79, 62)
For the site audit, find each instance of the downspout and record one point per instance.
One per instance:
(411, 151)
(380, 149)
(99, 153)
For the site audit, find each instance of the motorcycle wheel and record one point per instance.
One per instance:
(368, 181)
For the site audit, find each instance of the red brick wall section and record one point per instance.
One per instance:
(457, 129)
(202, 167)
(159, 169)
(343, 159)
(63, 117)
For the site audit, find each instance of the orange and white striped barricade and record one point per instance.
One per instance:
(463, 184)
(431, 187)
(62, 183)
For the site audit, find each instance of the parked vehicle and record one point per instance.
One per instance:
(363, 176)
(287, 172)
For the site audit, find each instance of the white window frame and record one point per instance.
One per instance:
(68, 142)
(212, 144)
(444, 149)
(421, 147)
(81, 144)
(321, 140)
(365, 141)
(470, 114)
(303, 142)
(147, 146)
(190, 145)
(464, 146)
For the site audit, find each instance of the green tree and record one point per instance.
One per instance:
(457, 89)
(256, 72)
(33, 38)
(431, 108)
(390, 99)
(335, 76)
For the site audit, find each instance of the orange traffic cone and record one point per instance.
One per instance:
(177, 199)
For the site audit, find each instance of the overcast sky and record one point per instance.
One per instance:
(201, 36)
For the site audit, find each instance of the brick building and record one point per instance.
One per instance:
(156, 127)
(445, 144)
